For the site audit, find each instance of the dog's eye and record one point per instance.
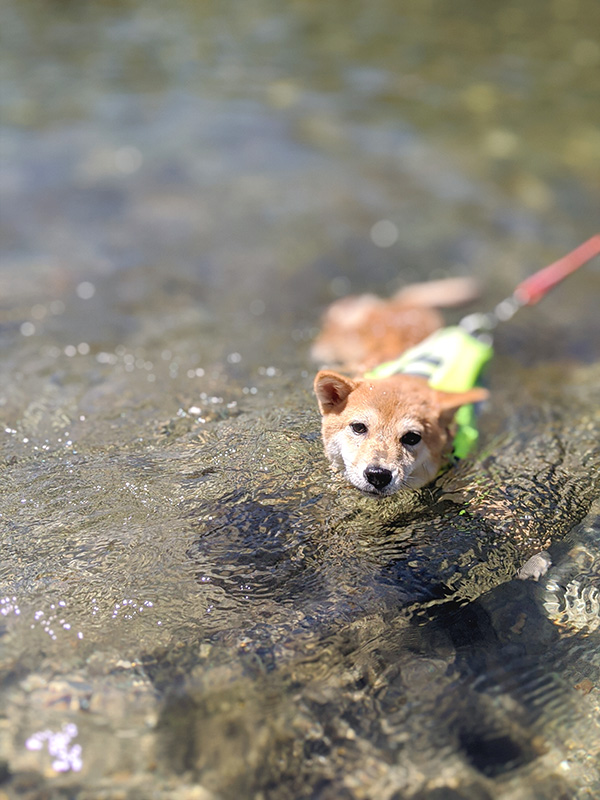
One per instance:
(411, 438)
(358, 427)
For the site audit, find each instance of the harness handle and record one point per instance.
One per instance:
(532, 289)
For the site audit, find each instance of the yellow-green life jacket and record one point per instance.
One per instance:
(451, 360)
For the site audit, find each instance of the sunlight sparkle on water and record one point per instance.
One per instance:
(66, 757)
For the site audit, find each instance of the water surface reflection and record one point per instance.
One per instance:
(190, 606)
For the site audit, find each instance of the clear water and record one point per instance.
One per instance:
(190, 605)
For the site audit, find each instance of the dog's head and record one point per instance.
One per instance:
(387, 434)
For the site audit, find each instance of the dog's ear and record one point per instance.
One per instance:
(449, 402)
(332, 390)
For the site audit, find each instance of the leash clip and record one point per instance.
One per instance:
(506, 309)
(530, 291)
(480, 326)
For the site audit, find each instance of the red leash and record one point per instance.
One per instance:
(537, 285)
(532, 289)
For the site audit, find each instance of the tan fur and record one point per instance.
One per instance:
(370, 427)
(363, 331)
(389, 409)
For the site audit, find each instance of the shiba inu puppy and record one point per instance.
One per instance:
(387, 434)
(392, 433)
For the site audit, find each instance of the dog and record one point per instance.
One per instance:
(393, 433)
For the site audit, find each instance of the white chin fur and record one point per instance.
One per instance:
(417, 474)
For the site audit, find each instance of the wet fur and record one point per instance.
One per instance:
(362, 331)
(383, 458)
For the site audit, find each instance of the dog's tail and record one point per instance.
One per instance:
(442, 293)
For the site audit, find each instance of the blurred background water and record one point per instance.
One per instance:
(190, 607)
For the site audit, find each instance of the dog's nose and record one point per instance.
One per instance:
(379, 477)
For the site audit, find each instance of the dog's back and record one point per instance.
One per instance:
(363, 331)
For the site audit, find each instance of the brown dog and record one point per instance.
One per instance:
(392, 433)
(363, 331)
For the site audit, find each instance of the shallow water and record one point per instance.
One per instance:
(190, 605)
